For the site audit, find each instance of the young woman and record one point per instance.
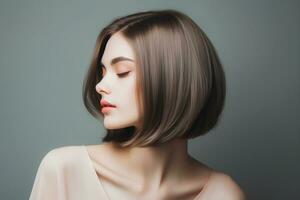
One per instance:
(156, 81)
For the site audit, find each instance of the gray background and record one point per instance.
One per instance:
(46, 47)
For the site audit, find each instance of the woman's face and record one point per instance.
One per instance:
(118, 85)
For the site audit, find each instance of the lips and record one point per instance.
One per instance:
(105, 103)
(107, 109)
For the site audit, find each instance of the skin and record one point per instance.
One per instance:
(148, 172)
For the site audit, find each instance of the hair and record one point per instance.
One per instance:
(180, 78)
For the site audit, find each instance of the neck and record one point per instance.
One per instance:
(155, 165)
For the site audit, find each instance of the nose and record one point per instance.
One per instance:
(101, 89)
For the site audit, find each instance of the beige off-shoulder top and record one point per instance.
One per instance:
(70, 174)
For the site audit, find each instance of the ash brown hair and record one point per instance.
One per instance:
(180, 79)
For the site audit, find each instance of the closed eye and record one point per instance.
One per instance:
(120, 75)
(123, 74)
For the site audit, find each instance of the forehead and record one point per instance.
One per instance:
(117, 46)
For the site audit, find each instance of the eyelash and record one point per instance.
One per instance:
(122, 75)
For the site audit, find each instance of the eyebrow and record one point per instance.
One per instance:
(118, 59)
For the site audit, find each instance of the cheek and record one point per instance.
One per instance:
(130, 95)
(125, 94)
(131, 99)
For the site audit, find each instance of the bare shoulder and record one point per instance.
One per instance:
(222, 186)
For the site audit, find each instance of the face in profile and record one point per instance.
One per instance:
(118, 85)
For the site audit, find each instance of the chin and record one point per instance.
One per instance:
(109, 124)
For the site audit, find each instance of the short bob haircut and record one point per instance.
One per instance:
(180, 78)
